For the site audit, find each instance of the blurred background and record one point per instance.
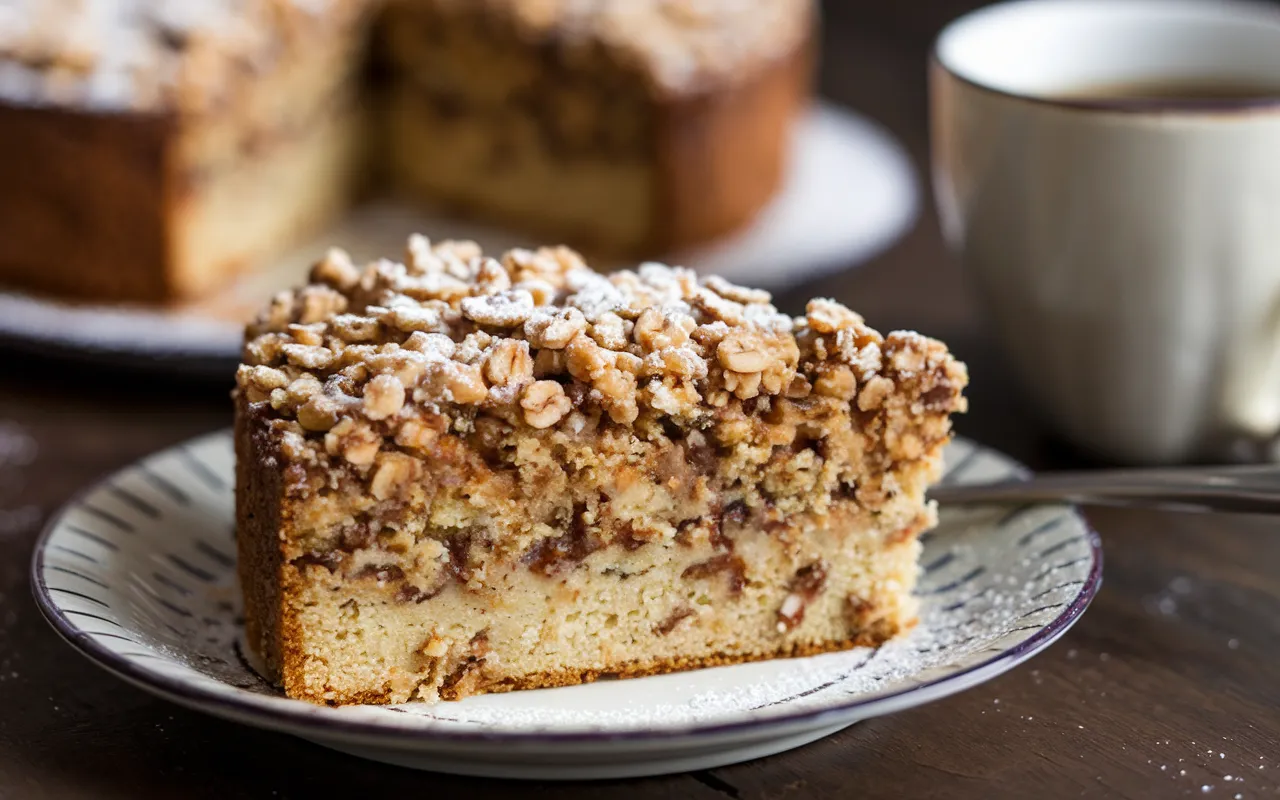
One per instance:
(1180, 645)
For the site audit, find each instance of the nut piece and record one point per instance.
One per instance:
(836, 380)
(492, 277)
(555, 331)
(434, 647)
(734, 292)
(336, 270)
(383, 397)
(319, 303)
(310, 334)
(318, 414)
(543, 293)
(504, 310)
(791, 613)
(354, 441)
(259, 381)
(674, 362)
(417, 254)
(587, 360)
(828, 316)
(657, 331)
(774, 379)
(303, 389)
(549, 363)
(463, 384)
(416, 434)
(719, 308)
(673, 396)
(435, 345)
(745, 385)
(741, 352)
(354, 328)
(428, 318)
(618, 395)
(393, 474)
(544, 404)
(808, 583)
(874, 393)
(798, 388)
(308, 356)
(508, 363)
(609, 331)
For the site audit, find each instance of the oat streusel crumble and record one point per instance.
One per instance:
(459, 474)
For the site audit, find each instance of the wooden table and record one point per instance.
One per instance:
(1170, 683)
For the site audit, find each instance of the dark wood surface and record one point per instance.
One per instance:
(1168, 685)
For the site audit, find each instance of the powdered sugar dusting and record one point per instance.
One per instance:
(147, 55)
(18, 449)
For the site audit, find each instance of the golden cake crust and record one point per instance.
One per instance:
(641, 668)
(85, 201)
(631, 669)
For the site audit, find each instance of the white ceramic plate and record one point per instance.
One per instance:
(851, 192)
(138, 575)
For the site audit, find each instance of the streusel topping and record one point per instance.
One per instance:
(146, 55)
(407, 350)
(677, 44)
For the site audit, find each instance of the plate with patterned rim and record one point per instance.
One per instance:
(138, 575)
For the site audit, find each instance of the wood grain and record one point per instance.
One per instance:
(1170, 683)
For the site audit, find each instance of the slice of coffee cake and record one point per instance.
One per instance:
(459, 475)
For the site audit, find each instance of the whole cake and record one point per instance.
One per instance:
(458, 474)
(154, 148)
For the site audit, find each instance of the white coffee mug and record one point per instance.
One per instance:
(1127, 253)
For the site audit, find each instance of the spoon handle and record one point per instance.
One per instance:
(1249, 489)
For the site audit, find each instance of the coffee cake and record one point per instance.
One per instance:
(459, 474)
(154, 149)
(626, 126)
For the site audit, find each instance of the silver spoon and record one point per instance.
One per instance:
(1250, 489)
